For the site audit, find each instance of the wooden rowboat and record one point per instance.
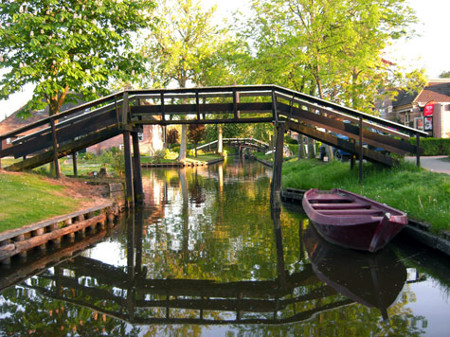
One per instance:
(352, 221)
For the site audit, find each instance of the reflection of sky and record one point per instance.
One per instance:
(109, 252)
(432, 302)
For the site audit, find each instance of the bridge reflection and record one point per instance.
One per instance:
(128, 294)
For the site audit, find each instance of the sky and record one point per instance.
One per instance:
(429, 50)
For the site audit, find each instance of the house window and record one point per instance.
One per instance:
(8, 140)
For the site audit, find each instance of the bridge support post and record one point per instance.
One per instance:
(74, 164)
(275, 197)
(361, 157)
(129, 186)
(417, 150)
(137, 176)
(55, 149)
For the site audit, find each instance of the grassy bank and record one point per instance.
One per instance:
(422, 194)
(27, 198)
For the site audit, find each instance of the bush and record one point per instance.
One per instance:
(434, 146)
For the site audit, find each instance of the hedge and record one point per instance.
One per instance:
(434, 146)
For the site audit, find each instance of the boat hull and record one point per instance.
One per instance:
(352, 221)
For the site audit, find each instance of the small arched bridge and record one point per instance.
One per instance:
(251, 143)
(125, 112)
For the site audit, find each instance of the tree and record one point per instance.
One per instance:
(196, 132)
(332, 49)
(172, 136)
(176, 52)
(445, 74)
(68, 47)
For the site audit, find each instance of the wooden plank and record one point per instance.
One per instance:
(380, 141)
(64, 150)
(129, 185)
(55, 149)
(332, 140)
(6, 235)
(43, 140)
(182, 109)
(152, 121)
(343, 116)
(44, 238)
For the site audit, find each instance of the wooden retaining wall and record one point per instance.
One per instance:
(22, 241)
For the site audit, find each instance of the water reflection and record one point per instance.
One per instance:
(374, 280)
(206, 256)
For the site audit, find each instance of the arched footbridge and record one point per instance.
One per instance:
(127, 111)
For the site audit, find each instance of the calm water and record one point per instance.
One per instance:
(206, 257)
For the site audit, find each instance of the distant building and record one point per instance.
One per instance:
(427, 110)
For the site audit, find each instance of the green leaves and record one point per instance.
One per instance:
(328, 48)
(68, 46)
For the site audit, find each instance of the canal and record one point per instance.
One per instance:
(206, 256)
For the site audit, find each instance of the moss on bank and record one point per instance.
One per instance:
(424, 195)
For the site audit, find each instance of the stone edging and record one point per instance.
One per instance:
(414, 229)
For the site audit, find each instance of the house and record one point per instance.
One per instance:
(427, 110)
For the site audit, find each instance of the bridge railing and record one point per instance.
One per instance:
(306, 114)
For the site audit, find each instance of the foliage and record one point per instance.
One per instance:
(433, 146)
(422, 194)
(196, 132)
(182, 48)
(172, 136)
(445, 74)
(177, 48)
(332, 49)
(68, 47)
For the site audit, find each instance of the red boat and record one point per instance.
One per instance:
(352, 221)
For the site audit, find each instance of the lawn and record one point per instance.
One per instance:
(424, 195)
(27, 198)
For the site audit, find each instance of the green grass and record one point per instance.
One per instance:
(27, 198)
(424, 195)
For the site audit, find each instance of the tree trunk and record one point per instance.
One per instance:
(311, 149)
(219, 139)
(183, 144)
(301, 148)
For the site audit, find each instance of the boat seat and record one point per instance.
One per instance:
(333, 206)
(343, 212)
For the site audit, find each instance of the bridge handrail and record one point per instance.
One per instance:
(256, 89)
(77, 109)
(67, 121)
(352, 112)
(234, 139)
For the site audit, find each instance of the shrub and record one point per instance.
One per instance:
(434, 146)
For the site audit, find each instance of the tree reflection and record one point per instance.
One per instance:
(197, 258)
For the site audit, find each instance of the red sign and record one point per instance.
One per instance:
(428, 109)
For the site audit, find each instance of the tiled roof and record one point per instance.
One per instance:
(435, 91)
(404, 97)
(14, 122)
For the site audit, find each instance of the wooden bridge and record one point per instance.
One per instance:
(251, 143)
(125, 112)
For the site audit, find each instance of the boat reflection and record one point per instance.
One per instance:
(374, 280)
